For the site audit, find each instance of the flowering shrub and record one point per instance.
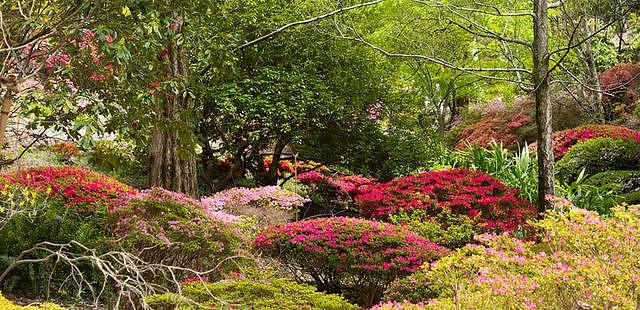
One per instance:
(65, 150)
(340, 186)
(500, 125)
(270, 205)
(583, 261)
(620, 87)
(278, 293)
(266, 196)
(174, 228)
(346, 253)
(483, 198)
(75, 187)
(566, 139)
(599, 155)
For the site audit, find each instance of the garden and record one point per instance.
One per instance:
(319, 154)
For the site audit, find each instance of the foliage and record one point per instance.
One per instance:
(172, 228)
(447, 229)
(8, 305)
(117, 158)
(587, 195)
(620, 87)
(240, 291)
(516, 169)
(623, 182)
(598, 155)
(564, 140)
(354, 256)
(582, 260)
(65, 150)
(82, 189)
(483, 198)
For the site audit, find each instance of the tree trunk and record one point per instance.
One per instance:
(5, 110)
(173, 162)
(592, 75)
(543, 103)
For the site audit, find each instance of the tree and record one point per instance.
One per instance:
(33, 34)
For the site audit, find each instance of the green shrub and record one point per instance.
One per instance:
(171, 228)
(599, 155)
(249, 294)
(6, 304)
(117, 158)
(446, 229)
(626, 183)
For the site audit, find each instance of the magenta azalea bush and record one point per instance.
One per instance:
(170, 227)
(335, 187)
(341, 254)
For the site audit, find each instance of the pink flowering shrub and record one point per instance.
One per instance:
(172, 228)
(584, 261)
(566, 139)
(269, 205)
(491, 205)
(332, 194)
(82, 189)
(350, 255)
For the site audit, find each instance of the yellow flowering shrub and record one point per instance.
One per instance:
(6, 304)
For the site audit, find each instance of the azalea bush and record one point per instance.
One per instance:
(599, 155)
(619, 85)
(268, 204)
(502, 125)
(564, 140)
(172, 228)
(65, 150)
(583, 261)
(484, 199)
(78, 188)
(332, 194)
(246, 291)
(354, 256)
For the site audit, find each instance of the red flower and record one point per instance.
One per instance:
(163, 53)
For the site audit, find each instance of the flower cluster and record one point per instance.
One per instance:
(620, 86)
(342, 186)
(75, 187)
(499, 125)
(483, 198)
(266, 196)
(564, 140)
(583, 259)
(335, 251)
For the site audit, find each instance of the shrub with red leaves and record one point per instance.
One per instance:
(349, 254)
(339, 186)
(488, 202)
(498, 125)
(83, 189)
(566, 139)
(620, 87)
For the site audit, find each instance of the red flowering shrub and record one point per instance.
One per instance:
(65, 149)
(83, 189)
(357, 256)
(483, 198)
(341, 186)
(564, 140)
(500, 125)
(620, 87)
